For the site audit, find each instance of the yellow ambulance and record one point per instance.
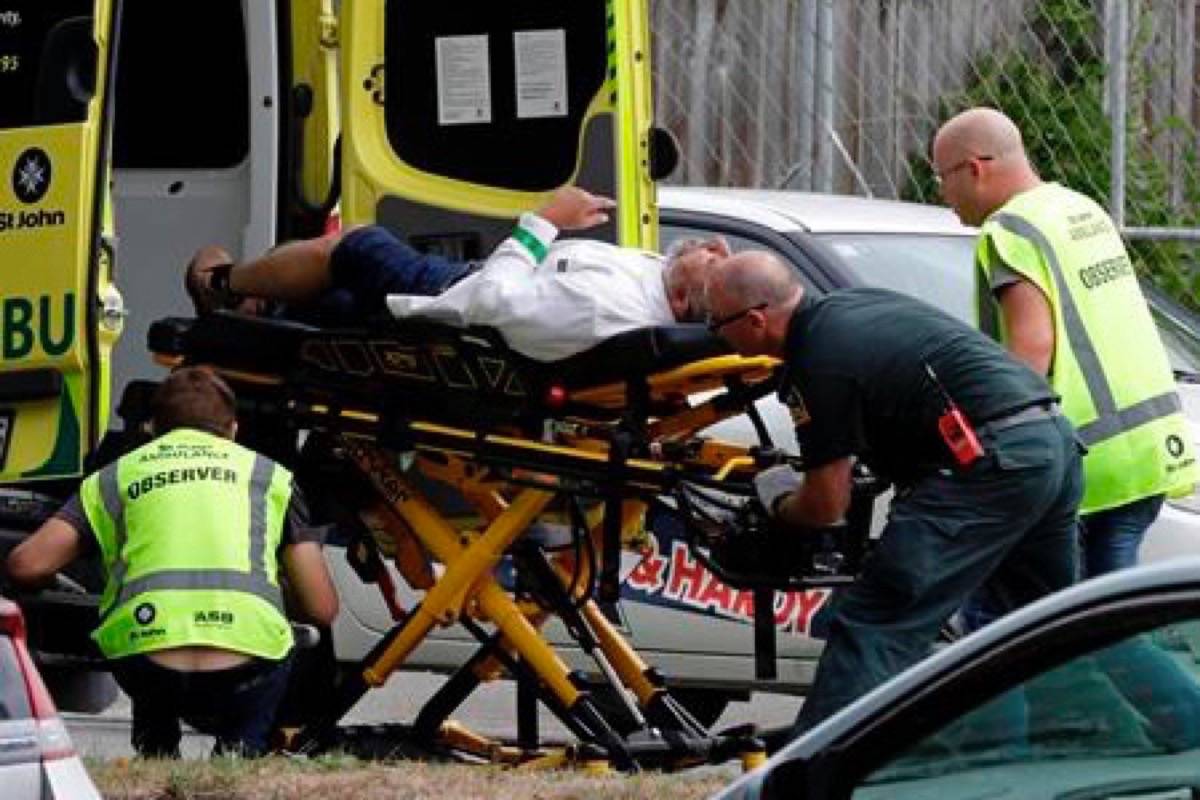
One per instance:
(133, 132)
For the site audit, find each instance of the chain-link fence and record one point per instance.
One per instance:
(844, 96)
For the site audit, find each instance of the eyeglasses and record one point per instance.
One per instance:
(940, 177)
(715, 325)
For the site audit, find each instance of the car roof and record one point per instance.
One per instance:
(785, 211)
(1173, 574)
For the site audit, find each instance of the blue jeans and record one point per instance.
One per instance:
(1008, 521)
(1110, 539)
(237, 705)
(370, 263)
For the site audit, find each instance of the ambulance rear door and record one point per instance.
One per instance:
(59, 313)
(458, 115)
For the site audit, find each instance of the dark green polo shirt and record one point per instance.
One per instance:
(855, 379)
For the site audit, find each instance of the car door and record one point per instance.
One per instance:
(59, 313)
(1092, 694)
(20, 755)
(457, 117)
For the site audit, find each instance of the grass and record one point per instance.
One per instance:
(344, 777)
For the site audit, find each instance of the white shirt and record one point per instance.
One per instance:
(579, 294)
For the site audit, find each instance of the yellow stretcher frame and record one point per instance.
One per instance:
(508, 501)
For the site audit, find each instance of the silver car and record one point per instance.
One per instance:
(839, 241)
(37, 759)
(697, 631)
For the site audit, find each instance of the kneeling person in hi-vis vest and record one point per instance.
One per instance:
(1057, 287)
(192, 529)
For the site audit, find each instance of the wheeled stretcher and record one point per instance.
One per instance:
(579, 446)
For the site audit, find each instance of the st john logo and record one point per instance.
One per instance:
(1174, 446)
(144, 614)
(31, 175)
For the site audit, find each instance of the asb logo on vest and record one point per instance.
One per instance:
(220, 618)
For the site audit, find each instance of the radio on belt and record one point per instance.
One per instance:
(955, 428)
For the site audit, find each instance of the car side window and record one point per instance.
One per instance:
(1107, 718)
(39, 59)
(670, 233)
(182, 86)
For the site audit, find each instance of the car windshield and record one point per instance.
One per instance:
(1116, 719)
(937, 269)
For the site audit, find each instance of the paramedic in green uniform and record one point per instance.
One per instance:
(869, 373)
(192, 529)
(1056, 286)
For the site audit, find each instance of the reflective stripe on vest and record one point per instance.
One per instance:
(256, 582)
(1110, 421)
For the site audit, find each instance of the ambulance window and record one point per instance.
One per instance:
(35, 48)
(452, 105)
(183, 94)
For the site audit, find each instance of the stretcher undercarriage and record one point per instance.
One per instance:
(556, 464)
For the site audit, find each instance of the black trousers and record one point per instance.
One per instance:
(1008, 523)
(236, 706)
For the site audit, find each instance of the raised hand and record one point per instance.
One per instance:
(572, 208)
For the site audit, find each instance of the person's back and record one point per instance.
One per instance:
(188, 527)
(1109, 364)
(192, 529)
(897, 340)
(1058, 288)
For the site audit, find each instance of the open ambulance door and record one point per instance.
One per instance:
(59, 314)
(459, 115)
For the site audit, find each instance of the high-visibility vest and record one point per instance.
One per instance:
(1108, 364)
(189, 527)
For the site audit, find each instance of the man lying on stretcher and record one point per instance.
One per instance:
(549, 299)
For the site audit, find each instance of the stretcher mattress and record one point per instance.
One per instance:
(434, 370)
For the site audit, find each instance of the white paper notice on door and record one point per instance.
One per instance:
(464, 84)
(541, 63)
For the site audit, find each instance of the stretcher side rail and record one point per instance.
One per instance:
(432, 371)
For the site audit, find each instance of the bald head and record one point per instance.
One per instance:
(756, 292)
(982, 131)
(980, 162)
(755, 276)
